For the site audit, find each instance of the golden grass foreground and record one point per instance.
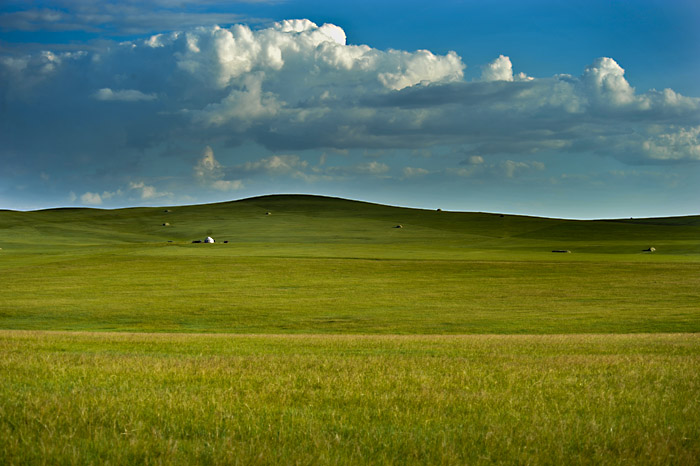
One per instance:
(125, 398)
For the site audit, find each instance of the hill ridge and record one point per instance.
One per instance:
(312, 225)
(326, 198)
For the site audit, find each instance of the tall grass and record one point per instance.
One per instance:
(178, 399)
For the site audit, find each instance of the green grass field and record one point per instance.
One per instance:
(458, 338)
(322, 265)
(144, 398)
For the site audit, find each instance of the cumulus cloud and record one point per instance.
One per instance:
(297, 86)
(243, 105)
(421, 67)
(106, 195)
(412, 172)
(209, 172)
(500, 69)
(509, 167)
(227, 185)
(207, 167)
(293, 166)
(221, 56)
(679, 143)
(275, 165)
(607, 84)
(146, 192)
(89, 198)
(373, 168)
(142, 191)
(295, 70)
(475, 166)
(124, 95)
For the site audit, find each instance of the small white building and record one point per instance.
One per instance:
(209, 239)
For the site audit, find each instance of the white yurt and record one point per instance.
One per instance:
(209, 239)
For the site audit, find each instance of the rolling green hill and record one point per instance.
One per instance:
(290, 221)
(148, 371)
(326, 265)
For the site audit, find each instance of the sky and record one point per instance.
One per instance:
(577, 109)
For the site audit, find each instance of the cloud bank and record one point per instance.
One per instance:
(298, 86)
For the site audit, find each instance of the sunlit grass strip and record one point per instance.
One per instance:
(143, 398)
(292, 295)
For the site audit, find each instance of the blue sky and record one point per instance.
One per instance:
(565, 109)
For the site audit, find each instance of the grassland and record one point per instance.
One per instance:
(183, 399)
(322, 265)
(320, 333)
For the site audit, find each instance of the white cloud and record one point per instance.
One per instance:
(421, 67)
(21, 75)
(146, 192)
(207, 167)
(209, 172)
(373, 168)
(678, 144)
(412, 172)
(510, 168)
(245, 105)
(89, 198)
(606, 82)
(297, 86)
(267, 73)
(143, 191)
(221, 57)
(463, 172)
(227, 185)
(503, 169)
(124, 95)
(500, 69)
(275, 165)
(106, 195)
